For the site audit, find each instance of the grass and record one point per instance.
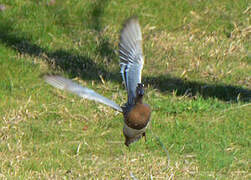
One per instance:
(197, 73)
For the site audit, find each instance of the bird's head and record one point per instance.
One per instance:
(140, 90)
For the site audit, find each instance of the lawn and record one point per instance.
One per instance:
(197, 75)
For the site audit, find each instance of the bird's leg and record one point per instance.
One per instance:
(144, 134)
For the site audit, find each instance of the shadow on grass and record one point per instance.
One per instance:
(73, 64)
(191, 88)
(86, 68)
(104, 47)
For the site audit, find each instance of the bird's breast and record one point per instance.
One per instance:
(138, 116)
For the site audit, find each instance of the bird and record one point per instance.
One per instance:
(136, 113)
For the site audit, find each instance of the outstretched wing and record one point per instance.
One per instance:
(131, 56)
(66, 84)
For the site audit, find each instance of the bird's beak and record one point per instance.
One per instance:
(141, 92)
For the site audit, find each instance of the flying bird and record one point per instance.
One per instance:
(136, 113)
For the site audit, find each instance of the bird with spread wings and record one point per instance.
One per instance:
(136, 113)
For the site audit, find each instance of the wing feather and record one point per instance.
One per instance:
(66, 84)
(131, 56)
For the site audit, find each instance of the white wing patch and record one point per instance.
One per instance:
(131, 57)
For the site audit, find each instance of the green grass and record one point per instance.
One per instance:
(197, 73)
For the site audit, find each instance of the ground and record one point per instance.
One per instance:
(197, 75)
